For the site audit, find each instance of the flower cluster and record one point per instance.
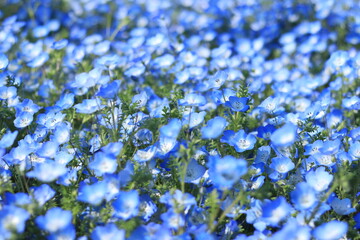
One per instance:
(187, 119)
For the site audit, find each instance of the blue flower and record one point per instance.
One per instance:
(354, 150)
(103, 163)
(54, 220)
(194, 172)
(93, 194)
(319, 179)
(237, 104)
(48, 149)
(342, 206)
(60, 44)
(172, 129)
(47, 171)
(144, 155)
(284, 136)
(147, 207)
(66, 101)
(282, 164)
(193, 99)
(194, 118)
(225, 172)
(107, 232)
(172, 219)
(4, 61)
(13, 218)
(242, 141)
(43, 193)
(7, 92)
(24, 119)
(304, 196)
(266, 131)
(275, 211)
(332, 230)
(214, 128)
(126, 205)
(88, 106)
(8, 139)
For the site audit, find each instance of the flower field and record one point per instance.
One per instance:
(180, 119)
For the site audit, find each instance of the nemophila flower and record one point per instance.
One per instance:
(147, 207)
(192, 100)
(351, 103)
(225, 172)
(222, 96)
(54, 220)
(8, 139)
(27, 106)
(165, 145)
(113, 148)
(242, 141)
(47, 171)
(292, 230)
(107, 232)
(66, 233)
(7, 92)
(142, 137)
(304, 196)
(331, 230)
(164, 61)
(103, 163)
(48, 149)
(284, 136)
(63, 157)
(334, 118)
(18, 199)
(324, 159)
(66, 101)
(354, 150)
(342, 206)
(126, 205)
(217, 80)
(140, 99)
(331, 147)
(24, 119)
(172, 129)
(60, 44)
(355, 134)
(214, 128)
(42, 193)
(193, 119)
(12, 219)
(319, 179)
(357, 220)
(275, 211)
(135, 71)
(338, 59)
(89, 106)
(311, 149)
(50, 119)
(17, 155)
(4, 61)
(270, 105)
(282, 164)
(61, 133)
(266, 131)
(194, 172)
(93, 194)
(178, 200)
(172, 219)
(143, 155)
(237, 104)
(263, 154)
(109, 90)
